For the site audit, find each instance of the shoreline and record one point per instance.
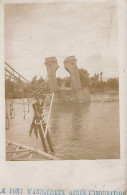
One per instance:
(91, 91)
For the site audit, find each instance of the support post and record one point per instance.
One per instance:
(39, 123)
(42, 139)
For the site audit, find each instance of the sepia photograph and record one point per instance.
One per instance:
(61, 81)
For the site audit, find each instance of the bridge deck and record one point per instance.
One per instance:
(18, 152)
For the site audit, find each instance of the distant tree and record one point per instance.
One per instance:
(84, 77)
(9, 86)
(113, 83)
(101, 76)
(34, 80)
(37, 81)
(40, 80)
(96, 77)
(59, 81)
(67, 81)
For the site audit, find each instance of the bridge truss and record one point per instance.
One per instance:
(42, 109)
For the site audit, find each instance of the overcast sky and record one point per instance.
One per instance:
(86, 30)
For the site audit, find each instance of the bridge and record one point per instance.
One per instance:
(43, 101)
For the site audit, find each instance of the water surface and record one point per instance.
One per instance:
(78, 131)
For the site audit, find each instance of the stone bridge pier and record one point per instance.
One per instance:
(78, 93)
(70, 64)
(52, 66)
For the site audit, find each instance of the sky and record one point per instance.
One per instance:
(87, 30)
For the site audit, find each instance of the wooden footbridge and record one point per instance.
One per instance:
(39, 125)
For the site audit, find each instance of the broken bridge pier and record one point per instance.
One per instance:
(76, 93)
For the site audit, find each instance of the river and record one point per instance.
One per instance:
(79, 131)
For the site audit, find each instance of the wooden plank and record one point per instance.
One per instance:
(30, 156)
(44, 154)
(12, 151)
(49, 116)
(18, 156)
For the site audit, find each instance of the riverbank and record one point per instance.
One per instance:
(104, 90)
(20, 95)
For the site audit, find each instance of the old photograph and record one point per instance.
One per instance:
(62, 81)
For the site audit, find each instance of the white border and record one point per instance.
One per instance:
(67, 175)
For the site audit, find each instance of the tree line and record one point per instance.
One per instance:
(86, 81)
(91, 82)
(96, 81)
